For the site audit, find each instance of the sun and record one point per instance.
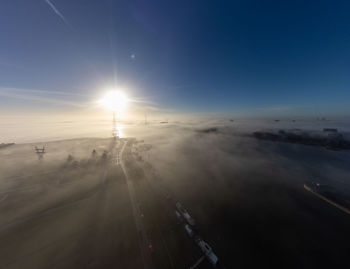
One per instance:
(115, 100)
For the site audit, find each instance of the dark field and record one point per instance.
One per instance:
(249, 201)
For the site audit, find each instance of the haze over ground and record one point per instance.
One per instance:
(246, 196)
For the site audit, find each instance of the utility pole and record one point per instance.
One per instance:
(115, 132)
(40, 152)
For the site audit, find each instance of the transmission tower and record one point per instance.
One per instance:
(115, 133)
(40, 152)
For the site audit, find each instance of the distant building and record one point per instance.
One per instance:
(330, 130)
(333, 134)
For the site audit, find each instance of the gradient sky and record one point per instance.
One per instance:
(186, 56)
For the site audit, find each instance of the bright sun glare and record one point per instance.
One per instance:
(114, 100)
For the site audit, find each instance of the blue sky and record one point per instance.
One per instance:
(186, 56)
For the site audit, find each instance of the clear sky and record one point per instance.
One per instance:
(185, 56)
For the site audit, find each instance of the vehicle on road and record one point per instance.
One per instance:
(206, 249)
(185, 214)
(189, 230)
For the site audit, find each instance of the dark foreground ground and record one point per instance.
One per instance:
(253, 211)
(249, 200)
(57, 213)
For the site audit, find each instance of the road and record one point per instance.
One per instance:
(142, 236)
(173, 248)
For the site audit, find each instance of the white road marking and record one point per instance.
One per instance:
(342, 208)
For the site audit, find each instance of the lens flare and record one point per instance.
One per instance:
(115, 100)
